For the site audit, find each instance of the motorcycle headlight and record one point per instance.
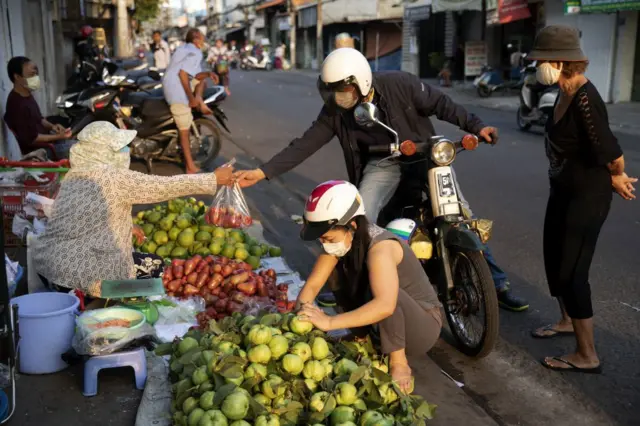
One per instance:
(443, 152)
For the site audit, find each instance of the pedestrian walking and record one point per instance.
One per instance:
(585, 165)
(161, 51)
(219, 59)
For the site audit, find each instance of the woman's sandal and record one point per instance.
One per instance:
(538, 332)
(406, 377)
(572, 367)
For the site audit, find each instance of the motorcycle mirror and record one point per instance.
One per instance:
(366, 114)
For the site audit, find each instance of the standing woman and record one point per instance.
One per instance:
(586, 166)
(219, 59)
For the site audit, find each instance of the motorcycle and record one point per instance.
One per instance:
(448, 243)
(250, 62)
(157, 137)
(530, 114)
(491, 81)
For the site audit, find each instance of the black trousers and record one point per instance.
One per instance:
(571, 228)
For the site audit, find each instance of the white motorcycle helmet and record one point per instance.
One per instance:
(330, 204)
(341, 69)
(403, 228)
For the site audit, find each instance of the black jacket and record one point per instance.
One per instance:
(407, 103)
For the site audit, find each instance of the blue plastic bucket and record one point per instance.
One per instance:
(47, 324)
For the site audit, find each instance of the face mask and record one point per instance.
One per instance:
(345, 100)
(548, 75)
(33, 83)
(336, 249)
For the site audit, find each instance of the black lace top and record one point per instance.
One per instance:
(581, 144)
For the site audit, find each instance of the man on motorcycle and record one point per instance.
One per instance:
(183, 85)
(403, 101)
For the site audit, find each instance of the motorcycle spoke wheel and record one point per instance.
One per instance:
(472, 304)
(207, 147)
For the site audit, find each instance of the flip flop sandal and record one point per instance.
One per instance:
(555, 333)
(572, 368)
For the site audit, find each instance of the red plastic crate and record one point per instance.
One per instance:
(13, 201)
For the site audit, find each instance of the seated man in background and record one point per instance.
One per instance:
(23, 116)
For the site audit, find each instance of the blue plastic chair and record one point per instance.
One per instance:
(135, 359)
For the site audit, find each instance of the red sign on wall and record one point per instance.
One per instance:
(513, 10)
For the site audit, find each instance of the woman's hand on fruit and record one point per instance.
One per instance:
(623, 185)
(315, 316)
(247, 178)
(138, 233)
(225, 175)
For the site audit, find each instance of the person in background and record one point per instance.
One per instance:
(279, 56)
(586, 165)
(381, 279)
(344, 40)
(218, 58)
(88, 237)
(161, 51)
(444, 75)
(183, 85)
(23, 116)
(515, 59)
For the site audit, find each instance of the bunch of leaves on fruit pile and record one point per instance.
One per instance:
(278, 370)
(227, 286)
(178, 229)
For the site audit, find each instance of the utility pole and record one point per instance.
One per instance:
(292, 33)
(319, 43)
(123, 40)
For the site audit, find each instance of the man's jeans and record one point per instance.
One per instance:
(377, 188)
(62, 148)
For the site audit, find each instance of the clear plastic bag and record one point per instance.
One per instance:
(229, 208)
(93, 341)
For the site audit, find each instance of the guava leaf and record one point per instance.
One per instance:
(188, 371)
(426, 410)
(292, 406)
(358, 374)
(351, 348)
(195, 333)
(256, 408)
(230, 360)
(340, 379)
(328, 384)
(222, 393)
(218, 381)
(214, 328)
(190, 356)
(316, 418)
(248, 384)
(164, 349)
(380, 375)
(233, 371)
(329, 406)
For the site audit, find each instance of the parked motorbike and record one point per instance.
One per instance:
(157, 137)
(491, 81)
(448, 244)
(530, 112)
(250, 62)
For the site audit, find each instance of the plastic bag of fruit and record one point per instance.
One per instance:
(229, 209)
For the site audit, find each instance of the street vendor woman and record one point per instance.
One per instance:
(89, 234)
(382, 282)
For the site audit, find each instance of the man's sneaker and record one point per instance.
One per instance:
(327, 299)
(510, 302)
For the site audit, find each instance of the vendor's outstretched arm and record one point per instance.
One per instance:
(139, 188)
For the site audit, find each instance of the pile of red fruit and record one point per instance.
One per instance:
(227, 286)
(227, 217)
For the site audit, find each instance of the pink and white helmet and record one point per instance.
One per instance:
(332, 203)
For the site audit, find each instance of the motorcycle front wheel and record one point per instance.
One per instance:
(207, 146)
(472, 304)
(484, 91)
(522, 123)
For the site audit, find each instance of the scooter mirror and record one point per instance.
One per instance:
(366, 114)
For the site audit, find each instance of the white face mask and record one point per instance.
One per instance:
(345, 100)
(336, 249)
(33, 83)
(548, 75)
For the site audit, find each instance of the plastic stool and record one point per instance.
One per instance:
(135, 359)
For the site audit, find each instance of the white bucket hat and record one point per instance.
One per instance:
(101, 143)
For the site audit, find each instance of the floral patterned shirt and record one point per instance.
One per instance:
(88, 236)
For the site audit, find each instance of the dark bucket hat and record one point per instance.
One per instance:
(557, 43)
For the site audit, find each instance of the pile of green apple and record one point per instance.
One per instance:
(276, 370)
(178, 230)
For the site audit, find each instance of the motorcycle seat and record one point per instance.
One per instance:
(155, 108)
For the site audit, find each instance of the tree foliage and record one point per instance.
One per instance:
(147, 10)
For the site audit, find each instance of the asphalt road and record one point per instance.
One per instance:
(506, 183)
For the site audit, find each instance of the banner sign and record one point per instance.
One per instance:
(608, 5)
(455, 5)
(513, 10)
(419, 13)
(475, 57)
